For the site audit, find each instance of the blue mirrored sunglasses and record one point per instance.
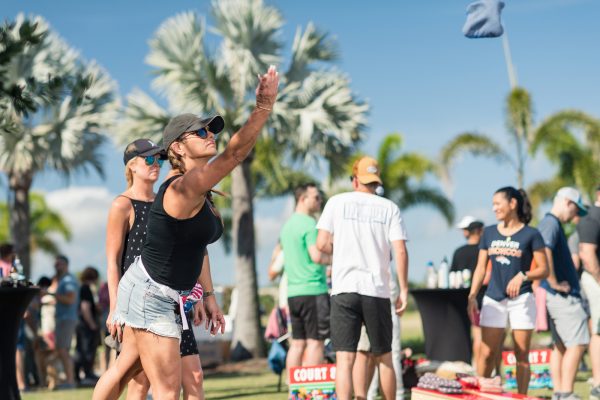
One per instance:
(150, 160)
(202, 133)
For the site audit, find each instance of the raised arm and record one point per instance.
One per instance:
(199, 180)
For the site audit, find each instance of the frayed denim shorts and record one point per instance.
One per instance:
(142, 305)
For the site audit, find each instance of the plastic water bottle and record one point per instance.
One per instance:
(431, 276)
(466, 275)
(443, 274)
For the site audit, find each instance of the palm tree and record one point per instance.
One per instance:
(399, 171)
(570, 140)
(315, 116)
(45, 223)
(519, 122)
(64, 133)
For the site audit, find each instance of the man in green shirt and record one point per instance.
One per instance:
(305, 267)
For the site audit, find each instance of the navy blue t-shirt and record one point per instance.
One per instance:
(555, 239)
(509, 255)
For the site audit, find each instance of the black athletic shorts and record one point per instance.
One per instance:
(188, 345)
(349, 311)
(309, 316)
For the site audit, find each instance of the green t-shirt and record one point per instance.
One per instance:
(305, 277)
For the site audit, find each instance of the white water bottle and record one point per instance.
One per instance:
(431, 276)
(443, 274)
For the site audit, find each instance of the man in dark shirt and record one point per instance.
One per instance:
(465, 257)
(568, 318)
(589, 252)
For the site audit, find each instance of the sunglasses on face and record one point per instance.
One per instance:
(202, 133)
(150, 160)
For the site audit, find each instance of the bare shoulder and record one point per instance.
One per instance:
(121, 205)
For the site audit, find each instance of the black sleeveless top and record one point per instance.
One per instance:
(174, 248)
(136, 236)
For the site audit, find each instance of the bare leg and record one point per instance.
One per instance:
(570, 364)
(314, 352)
(192, 378)
(476, 335)
(360, 374)
(491, 343)
(161, 362)
(343, 375)
(67, 362)
(138, 386)
(20, 364)
(112, 383)
(522, 339)
(294, 356)
(387, 375)
(594, 352)
(555, 367)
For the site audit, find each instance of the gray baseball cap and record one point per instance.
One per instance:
(189, 122)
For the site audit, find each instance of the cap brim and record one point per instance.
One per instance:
(215, 124)
(582, 210)
(151, 152)
(369, 178)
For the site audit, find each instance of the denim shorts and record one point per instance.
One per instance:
(142, 305)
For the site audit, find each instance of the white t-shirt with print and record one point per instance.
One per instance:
(363, 226)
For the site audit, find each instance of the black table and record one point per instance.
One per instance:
(13, 303)
(446, 324)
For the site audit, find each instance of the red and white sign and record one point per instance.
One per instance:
(535, 357)
(318, 374)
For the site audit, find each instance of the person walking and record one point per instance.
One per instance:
(305, 268)
(88, 330)
(126, 233)
(67, 307)
(589, 253)
(511, 245)
(361, 230)
(568, 317)
(182, 221)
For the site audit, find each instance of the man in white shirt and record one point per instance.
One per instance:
(360, 229)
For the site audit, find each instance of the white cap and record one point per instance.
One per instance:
(465, 222)
(573, 194)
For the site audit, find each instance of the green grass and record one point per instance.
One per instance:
(260, 383)
(249, 386)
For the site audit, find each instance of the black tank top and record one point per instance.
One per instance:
(174, 248)
(136, 236)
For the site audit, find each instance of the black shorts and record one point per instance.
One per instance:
(188, 345)
(351, 310)
(309, 316)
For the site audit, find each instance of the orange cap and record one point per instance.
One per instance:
(366, 171)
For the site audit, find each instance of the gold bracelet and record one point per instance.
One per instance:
(264, 108)
(208, 293)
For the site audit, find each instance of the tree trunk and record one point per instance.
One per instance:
(246, 330)
(18, 206)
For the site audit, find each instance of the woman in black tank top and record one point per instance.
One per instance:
(126, 234)
(181, 223)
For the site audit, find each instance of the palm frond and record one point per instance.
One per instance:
(251, 41)
(143, 118)
(475, 144)
(519, 115)
(422, 195)
(309, 46)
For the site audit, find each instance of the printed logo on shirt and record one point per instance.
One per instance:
(506, 248)
(365, 213)
(503, 260)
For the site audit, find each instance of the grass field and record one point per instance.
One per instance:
(253, 380)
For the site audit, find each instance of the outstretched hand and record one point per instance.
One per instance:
(266, 91)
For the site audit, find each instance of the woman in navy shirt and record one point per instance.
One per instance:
(512, 246)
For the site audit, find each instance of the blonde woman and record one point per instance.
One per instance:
(126, 233)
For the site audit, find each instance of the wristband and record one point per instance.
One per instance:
(264, 108)
(525, 278)
(208, 293)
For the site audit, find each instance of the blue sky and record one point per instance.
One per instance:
(408, 59)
